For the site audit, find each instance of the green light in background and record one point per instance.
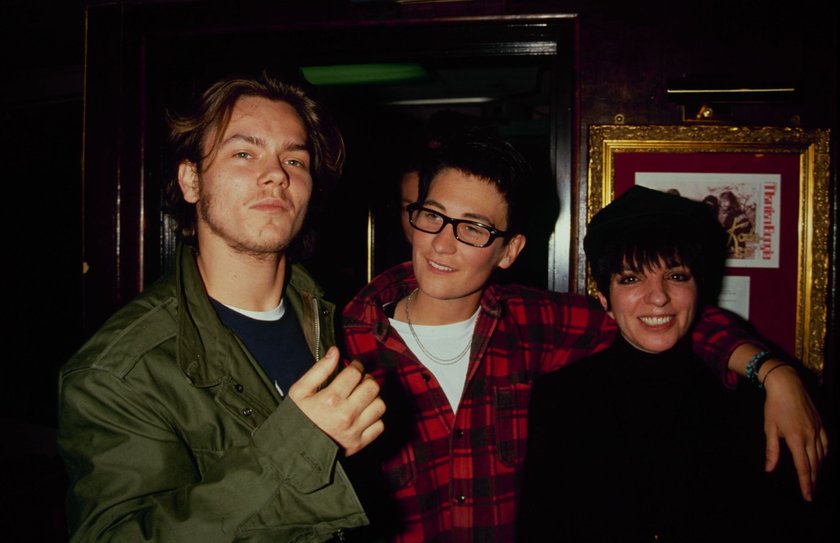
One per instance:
(349, 74)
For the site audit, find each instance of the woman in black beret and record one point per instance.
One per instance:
(642, 442)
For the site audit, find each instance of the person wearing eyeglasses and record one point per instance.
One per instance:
(455, 354)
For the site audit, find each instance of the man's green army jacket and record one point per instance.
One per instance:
(171, 431)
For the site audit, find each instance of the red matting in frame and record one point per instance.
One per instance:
(773, 291)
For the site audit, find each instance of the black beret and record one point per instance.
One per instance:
(643, 208)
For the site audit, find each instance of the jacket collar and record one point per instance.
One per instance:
(206, 348)
(203, 342)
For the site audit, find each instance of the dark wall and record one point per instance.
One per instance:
(41, 47)
(630, 54)
(40, 141)
(627, 53)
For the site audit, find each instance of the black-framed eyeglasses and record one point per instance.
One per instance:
(468, 232)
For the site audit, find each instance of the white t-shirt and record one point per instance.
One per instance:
(444, 341)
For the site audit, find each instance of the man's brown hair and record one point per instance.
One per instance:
(211, 113)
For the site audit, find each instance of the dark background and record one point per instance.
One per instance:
(621, 58)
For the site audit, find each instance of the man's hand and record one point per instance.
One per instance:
(349, 409)
(789, 414)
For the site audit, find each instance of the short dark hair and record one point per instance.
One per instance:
(211, 112)
(488, 157)
(642, 248)
(643, 226)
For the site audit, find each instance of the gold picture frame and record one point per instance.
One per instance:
(801, 160)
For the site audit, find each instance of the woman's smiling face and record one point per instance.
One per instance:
(655, 307)
(446, 268)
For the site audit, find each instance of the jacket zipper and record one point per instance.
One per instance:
(317, 329)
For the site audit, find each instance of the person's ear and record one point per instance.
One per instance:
(606, 305)
(512, 249)
(188, 180)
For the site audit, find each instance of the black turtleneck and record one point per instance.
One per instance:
(632, 446)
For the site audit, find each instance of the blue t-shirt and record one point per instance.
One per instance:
(278, 345)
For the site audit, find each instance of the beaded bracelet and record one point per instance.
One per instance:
(755, 364)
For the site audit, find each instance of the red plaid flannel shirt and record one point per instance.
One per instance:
(455, 477)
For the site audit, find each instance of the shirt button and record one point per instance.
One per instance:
(247, 411)
(459, 433)
(239, 387)
(460, 499)
(427, 377)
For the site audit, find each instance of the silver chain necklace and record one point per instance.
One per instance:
(435, 359)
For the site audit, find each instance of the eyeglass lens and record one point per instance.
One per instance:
(465, 231)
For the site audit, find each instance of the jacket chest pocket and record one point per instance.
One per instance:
(209, 443)
(217, 421)
(510, 408)
(246, 408)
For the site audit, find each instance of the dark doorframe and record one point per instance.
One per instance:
(143, 59)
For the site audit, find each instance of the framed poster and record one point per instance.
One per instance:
(769, 187)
